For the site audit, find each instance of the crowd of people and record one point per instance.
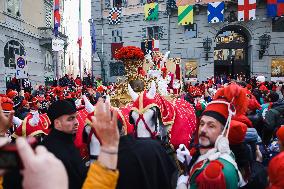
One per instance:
(239, 140)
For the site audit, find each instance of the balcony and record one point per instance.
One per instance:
(47, 36)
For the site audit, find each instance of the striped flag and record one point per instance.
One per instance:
(79, 41)
(151, 11)
(216, 12)
(275, 8)
(185, 15)
(56, 18)
(246, 10)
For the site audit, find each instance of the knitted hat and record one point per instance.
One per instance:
(237, 132)
(60, 108)
(280, 134)
(276, 172)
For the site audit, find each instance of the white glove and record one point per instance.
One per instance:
(183, 154)
(35, 119)
(182, 180)
(17, 121)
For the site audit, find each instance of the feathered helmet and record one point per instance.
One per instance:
(7, 104)
(227, 102)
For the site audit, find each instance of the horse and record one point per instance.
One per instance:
(155, 117)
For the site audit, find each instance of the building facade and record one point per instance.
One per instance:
(26, 30)
(254, 47)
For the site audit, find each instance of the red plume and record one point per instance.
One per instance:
(234, 94)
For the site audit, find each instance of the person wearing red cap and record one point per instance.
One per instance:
(280, 136)
(6, 110)
(213, 166)
(276, 172)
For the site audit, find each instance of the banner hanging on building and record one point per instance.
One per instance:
(193, 2)
(275, 8)
(21, 67)
(246, 10)
(185, 15)
(151, 11)
(215, 12)
(115, 15)
(57, 17)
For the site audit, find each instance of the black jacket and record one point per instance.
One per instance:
(62, 146)
(144, 164)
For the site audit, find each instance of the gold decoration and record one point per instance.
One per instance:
(132, 77)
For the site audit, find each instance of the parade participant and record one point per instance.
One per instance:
(34, 124)
(6, 110)
(41, 164)
(78, 81)
(276, 172)
(64, 125)
(213, 165)
(199, 103)
(280, 136)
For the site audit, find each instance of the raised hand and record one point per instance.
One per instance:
(39, 166)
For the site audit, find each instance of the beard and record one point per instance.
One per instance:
(205, 141)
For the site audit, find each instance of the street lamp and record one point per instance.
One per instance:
(207, 42)
(264, 42)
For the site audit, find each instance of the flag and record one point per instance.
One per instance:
(56, 17)
(79, 41)
(93, 37)
(155, 45)
(215, 12)
(246, 10)
(151, 11)
(185, 15)
(193, 2)
(146, 46)
(115, 15)
(115, 47)
(275, 8)
(56, 5)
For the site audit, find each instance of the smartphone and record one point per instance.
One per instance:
(9, 157)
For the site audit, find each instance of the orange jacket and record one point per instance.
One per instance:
(100, 177)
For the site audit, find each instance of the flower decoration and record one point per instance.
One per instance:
(129, 53)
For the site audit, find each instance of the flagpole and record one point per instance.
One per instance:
(92, 59)
(80, 66)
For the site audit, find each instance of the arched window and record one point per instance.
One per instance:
(48, 62)
(11, 49)
(13, 7)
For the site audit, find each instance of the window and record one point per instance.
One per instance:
(116, 36)
(116, 69)
(107, 3)
(48, 66)
(13, 7)
(11, 49)
(117, 3)
(153, 32)
(278, 24)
